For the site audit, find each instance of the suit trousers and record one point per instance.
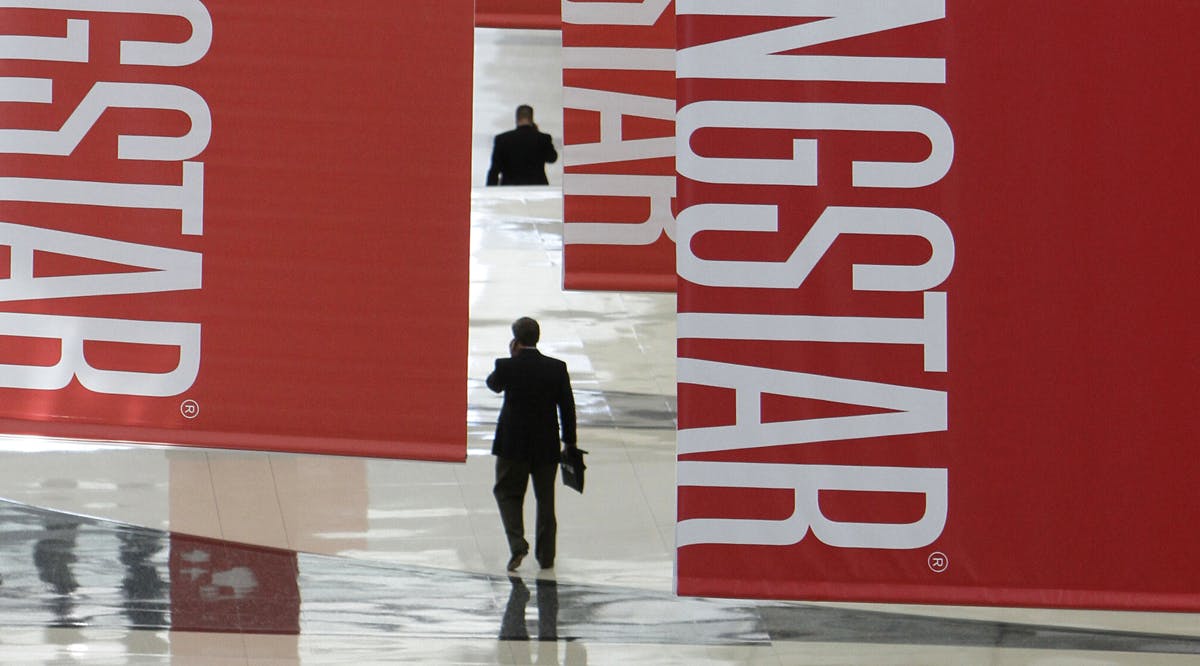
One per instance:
(512, 478)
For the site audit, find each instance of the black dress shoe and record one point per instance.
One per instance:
(546, 565)
(515, 561)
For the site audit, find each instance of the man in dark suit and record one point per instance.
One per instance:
(519, 156)
(537, 400)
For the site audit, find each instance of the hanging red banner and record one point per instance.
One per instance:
(937, 299)
(236, 224)
(528, 14)
(619, 145)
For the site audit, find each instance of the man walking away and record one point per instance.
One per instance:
(537, 401)
(519, 156)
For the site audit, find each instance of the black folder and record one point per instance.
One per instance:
(572, 468)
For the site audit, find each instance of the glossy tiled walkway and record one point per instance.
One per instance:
(114, 554)
(71, 573)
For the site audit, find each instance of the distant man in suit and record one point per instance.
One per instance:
(537, 401)
(519, 156)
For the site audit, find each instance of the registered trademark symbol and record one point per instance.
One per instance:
(938, 562)
(190, 409)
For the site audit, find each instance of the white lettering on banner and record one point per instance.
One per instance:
(913, 410)
(657, 190)
(645, 12)
(73, 332)
(631, 59)
(174, 270)
(71, 48)
(161, 54)
(25, 89)
(165, 269)
(802, 168)
(833, 222)
(104, 96)
(902, 410)
(755, 56)
(187, 198)
(613, 108)
(806, 483)
(929, 331)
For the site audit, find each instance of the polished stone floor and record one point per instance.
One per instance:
(68, 572)
(115, 554)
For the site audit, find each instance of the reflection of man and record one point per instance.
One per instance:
(53, 556)
(537, 397)
(519, 155)
(513, 627)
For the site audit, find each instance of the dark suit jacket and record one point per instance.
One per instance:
(519, 157)
(537, 397)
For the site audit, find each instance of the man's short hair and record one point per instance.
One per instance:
(526, 331)
(525, 112)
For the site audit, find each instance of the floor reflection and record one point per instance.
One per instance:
(144, 588)
(219, 586)
(514, 628)
(61, 570)
(540, 647)
(53, 555)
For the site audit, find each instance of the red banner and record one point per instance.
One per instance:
(236, 224)
(619, 145)
(529, 14)
(937, 302)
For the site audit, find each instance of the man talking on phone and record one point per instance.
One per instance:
(520, 155)
(537, 401)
